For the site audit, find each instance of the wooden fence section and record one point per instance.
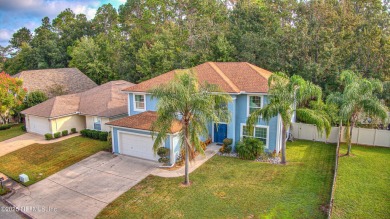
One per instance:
(363, 136)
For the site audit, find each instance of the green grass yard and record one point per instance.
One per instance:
(232, 188)
(39, 161)
(14, 131)
(363, 183)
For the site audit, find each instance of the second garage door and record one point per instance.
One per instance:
(137, 146)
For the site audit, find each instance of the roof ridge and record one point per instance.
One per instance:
(253, 67)
(224, 77)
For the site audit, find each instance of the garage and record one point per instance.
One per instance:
(39, 125)
(137, 145)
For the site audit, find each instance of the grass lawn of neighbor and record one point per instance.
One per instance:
(227, 187)
(39, 161)
(14, 131)
(363, 183)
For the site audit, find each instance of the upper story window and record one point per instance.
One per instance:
(254, 103)
(139, 102)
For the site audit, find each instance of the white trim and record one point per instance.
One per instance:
(134, 105)
(256, 126)
(247, 102)
(171, 154)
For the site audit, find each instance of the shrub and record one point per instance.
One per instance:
(162, 152)
(73, 130)
(109, 138)
(103, 136)
(57, 134)
(23, 127)
(98, 135)
(163, 160)
(48, 136)
(83, 133)
(5, 126)
(203, 145)
(65, 133)
(227, 141)
(250, 148)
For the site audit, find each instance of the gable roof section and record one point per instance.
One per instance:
(232, 77)
(71, 80)
(142, 121)
(106, 100)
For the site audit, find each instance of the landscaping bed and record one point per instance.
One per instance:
(226, 187)
(39, 161)
(362, 186)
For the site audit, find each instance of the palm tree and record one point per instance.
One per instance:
(357, 97)
(192, 104)
(286, 96)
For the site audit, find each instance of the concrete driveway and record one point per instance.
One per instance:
(24, 140)
(83, 189)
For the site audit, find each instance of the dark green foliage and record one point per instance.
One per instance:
(94, 134)
(73, 130)
(250, 148)
(227, 141)
(48, 136)
(162, 152)
(57, 134)
(5, 126)
(226, 148)
(33, 98)
(23, 127)
(64, 133)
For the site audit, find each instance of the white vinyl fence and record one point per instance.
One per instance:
(371, 137)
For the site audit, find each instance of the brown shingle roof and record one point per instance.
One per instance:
(142, 121)
(106, 100)
(232, 77)
(71, 80)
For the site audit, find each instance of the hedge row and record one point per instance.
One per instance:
(49, 136)
(5, 126)
(99, 135)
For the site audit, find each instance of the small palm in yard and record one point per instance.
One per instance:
(357, 97)
(286, 96)
(192, 104)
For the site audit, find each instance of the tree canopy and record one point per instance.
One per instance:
(142, 39)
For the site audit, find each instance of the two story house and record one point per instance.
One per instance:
(246, 83)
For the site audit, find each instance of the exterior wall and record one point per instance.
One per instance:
(151, 105)
(90, 122)
(242, 115)
(68, 122)
(115, 136)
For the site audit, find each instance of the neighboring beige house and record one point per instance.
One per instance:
(56, 82)
(90, 109)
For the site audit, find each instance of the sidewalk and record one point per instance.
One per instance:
(211, 150)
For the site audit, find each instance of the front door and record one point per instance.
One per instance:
(220, 132)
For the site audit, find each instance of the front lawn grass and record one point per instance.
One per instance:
(362, 186)
(227, 187)
(14, 131)
(39, 161)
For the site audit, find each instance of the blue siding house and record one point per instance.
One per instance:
(246, 83)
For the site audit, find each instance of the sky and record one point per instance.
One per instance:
(15, 14)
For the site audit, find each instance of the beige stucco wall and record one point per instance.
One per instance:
(68, 122)
(89, 122)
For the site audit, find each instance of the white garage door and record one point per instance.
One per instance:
(38, 125)
(137, 145)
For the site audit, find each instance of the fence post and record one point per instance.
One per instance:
(373, 143)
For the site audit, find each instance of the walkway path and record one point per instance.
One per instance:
(211, 150)
(24, 140)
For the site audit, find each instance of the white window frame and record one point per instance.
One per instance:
(97, 120)
(248, 100)
(256, 126)
(134, 102)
